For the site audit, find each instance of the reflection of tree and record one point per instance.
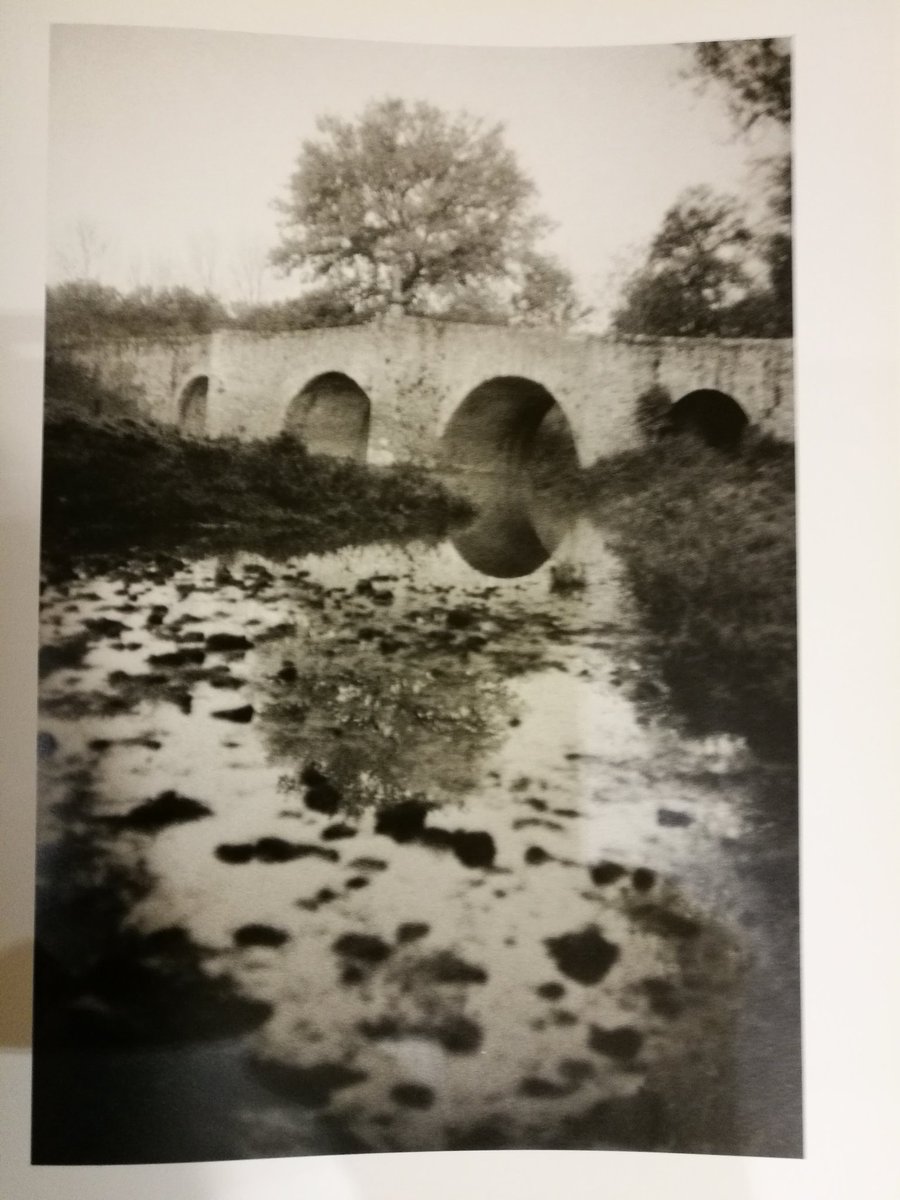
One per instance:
(404, 711)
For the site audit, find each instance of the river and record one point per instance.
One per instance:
(397, 848)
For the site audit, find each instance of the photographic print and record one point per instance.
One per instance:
(418, 702)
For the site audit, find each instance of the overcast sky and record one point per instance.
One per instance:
(172, 144)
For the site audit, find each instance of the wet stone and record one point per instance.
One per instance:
(178, 658)
(336, 832)
(364, 947)
(542, 1089)
(357, 882)
(551, 991)
(227, 641)
(622, 1043)
(259, 935)
(603, 873)
(460, 618)
(585, 956)
(670, 818)
(536, 855)
(241, 716)
(106, 627)
(323, 797)
(272, 850)
(368, 864)
(403, 821)
(643, 879)
(447, 967)
(168, 808)
(412, 1095)
(412, 931)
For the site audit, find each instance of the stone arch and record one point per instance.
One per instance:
(713, 416)
(192, 406)
(331, 415)
(506, 422)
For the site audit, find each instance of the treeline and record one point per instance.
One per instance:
(87, 309)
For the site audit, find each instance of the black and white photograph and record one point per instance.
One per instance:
(418, 704)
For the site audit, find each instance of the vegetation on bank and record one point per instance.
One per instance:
(708, 541)
(122, 483)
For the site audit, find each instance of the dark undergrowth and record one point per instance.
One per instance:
(116, 484)
(708, 540)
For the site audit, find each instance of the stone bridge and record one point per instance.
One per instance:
(411, 389)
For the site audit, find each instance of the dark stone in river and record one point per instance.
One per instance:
(105, 627)
(411, 931)
(622, 1043)
(585, 956)
(663, 997)
(474, 848)
(403, 821)
(365, 947)
(643, 879)
(323, 797)
(259, 935)
(535, 855)
(228, 641)
(550, 991)
(412, 1095)
(185, 657)
(272, 850)
(241, 715)
(606, 872)
(334, 833)
(670, 818)
(168, 808)
(447, 967)
(460, 618)
(287, 674)
(665, 922)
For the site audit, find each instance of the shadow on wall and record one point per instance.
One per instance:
(331, 415)
(192, 407)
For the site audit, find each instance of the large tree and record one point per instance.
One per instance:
(409, 206)
(696, 269)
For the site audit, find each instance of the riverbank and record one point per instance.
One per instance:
(708, 540)
(114, 483)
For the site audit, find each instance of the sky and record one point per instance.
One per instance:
(169, 147)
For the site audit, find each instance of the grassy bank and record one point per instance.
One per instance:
(120, 483)
(708, 542)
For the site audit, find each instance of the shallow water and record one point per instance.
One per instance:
(415, 857)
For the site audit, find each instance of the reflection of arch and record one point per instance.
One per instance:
(192, 406)
(502, 423)
(331, 416)
(713, 416)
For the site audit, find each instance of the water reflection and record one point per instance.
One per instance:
(402, 836)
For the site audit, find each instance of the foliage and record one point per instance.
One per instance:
(84, 308)
(118, 483)
(708, 543)
(412, 207)
(695, 269)
(756, 74)
(322, 306)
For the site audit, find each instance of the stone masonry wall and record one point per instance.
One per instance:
(417, 372)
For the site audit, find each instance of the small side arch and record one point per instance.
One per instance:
(331, 415)
(192, 406)
(713, 416)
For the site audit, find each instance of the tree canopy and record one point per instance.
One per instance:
(410, 206)
(707, 272)
(756, 73)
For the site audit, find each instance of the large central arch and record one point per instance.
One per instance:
(496, 425)
(331, 415)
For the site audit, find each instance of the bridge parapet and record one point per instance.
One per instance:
(417, 372)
